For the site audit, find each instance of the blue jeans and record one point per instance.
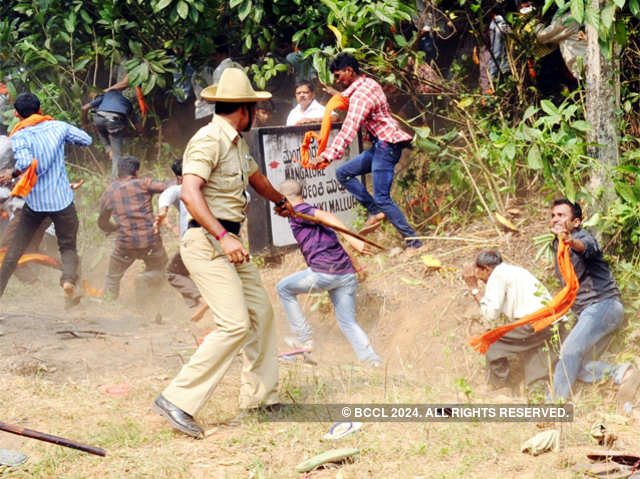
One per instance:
(380, 160)
(342, 290)
(588, 338)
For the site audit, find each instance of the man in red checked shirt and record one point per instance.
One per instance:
(368, 105)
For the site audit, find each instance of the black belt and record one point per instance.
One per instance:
(230, 226)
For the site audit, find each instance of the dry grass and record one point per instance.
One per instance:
(418, 320)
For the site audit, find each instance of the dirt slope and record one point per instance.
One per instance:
(417, 318)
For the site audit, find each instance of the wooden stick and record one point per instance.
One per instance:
(313, 219)
(60, 441)
(450, 238)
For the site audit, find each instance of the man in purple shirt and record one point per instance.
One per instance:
(330, 269)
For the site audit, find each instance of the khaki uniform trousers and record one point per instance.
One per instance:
(244, 320)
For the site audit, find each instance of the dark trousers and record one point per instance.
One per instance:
(154, 258)
(379, 160)
(66, 224)
(178, 277)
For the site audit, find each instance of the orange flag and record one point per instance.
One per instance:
(33, 258)
(337, 102)
(141, 103)
(545, 316)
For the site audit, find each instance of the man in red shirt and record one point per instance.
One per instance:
(368, 106)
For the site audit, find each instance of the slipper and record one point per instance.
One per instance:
(607, 470)
(11, 458)
(341, 429)
(288, 354)
(334, 455)
(629, 388)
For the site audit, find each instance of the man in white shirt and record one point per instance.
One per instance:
(308, 109)
(177, 273)
(513, 292)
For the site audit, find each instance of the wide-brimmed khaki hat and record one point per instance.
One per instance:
(234, 87)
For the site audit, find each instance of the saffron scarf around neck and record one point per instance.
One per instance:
(29, 177)
(545, 316)
(337, 102)
(32, 120)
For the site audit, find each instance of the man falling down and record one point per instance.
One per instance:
(514, 292)
(330, 269)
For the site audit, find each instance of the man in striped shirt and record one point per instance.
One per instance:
(42, 138)
(368, 106)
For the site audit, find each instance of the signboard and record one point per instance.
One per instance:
(277, 151)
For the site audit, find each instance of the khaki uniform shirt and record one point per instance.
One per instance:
(220, 156)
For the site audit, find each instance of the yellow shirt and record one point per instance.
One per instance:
(220, 156)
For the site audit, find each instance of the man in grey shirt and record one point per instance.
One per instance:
(597, 306)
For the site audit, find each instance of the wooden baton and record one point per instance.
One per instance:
(313, 219)
(60, 441)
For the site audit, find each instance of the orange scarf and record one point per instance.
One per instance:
(33, 258)
(27, 181)
(545, 316)
(337, 102)
(29, 177)
(30, 121)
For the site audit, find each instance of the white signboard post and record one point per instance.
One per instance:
(280, 148)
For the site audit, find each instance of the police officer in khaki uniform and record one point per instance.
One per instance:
(217, 167)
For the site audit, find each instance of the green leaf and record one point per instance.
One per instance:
(234, 3)
(534, 161)
(135, 48)
(619, 3)
(465, 103)
(510, 151)
(400, 40)
(148, 86)
(593, 221)
(162, 4)
(69, 25)
(607, 15)
(621, 32)
(244, 11)
(183, 10)
(634, 7)
(79, 65)
(547, 5)
(581, 125)
(577, 10)
(549, 108)
(626, 193)
(529, 112)
(569, 187)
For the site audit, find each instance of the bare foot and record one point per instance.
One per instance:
(372, 223)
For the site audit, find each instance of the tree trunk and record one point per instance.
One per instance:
(602, 91)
